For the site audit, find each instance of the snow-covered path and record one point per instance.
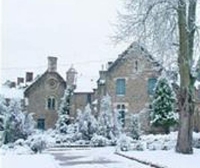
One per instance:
(92, 158)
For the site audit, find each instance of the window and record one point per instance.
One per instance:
(151, 85)
(51, 103)
(41, 123)
(120, 86)
(89, 98)
(121, 114)
(136, 65)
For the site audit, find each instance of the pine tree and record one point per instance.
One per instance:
(14, 122)
(106, 117)
(87, 124)
(163, 106)
(64, 111)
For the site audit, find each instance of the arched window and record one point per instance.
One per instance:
(51, 103)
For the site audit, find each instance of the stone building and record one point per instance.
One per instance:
(43, 96)
(130, 81)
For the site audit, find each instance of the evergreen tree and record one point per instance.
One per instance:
(29, 124)
(14, 122)
(163, 106)
(106, 117)
(64, 111)
(117, 125)
(3, 112)
(87, 124)
(135, 126)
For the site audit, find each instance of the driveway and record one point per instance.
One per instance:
(91, 158)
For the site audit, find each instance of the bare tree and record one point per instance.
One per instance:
(167, 28)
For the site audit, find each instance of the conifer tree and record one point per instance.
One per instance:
(135, 126)
(87, 124)
(163, 106)
(105, 118)
(14, 122)
(64, 111)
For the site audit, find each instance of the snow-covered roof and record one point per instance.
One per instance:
(85, 85)
(10, 93)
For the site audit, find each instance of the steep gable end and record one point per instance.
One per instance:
(39, 80)
(134, 51)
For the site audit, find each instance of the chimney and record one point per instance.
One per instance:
(52, 64)
(71, 77)
(29, 76)
(20, 80)
(102, 74)
(110, 63)
(12, 84)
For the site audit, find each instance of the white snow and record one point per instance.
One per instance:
(10, 93)
(27, 161)
(168, 159)
(85, 85)
(21, 157)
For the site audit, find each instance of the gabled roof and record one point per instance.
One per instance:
(37, 80)
(135, 47)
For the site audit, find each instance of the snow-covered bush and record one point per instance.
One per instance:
(28, 125)
(138, 145)
(87, 124)
(14, 123)
(37, 143)
(124, 143)
(163, 106)
(117, 126)
(135, 131)
(99, 141)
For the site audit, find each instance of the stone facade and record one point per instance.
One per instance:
(134, 68)
(44, 95)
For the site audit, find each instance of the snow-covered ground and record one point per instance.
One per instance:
(155, 149)
(98, 158)
(167, 159)
(27, 161)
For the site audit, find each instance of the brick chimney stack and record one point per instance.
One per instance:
(29, 76)
(52, 64)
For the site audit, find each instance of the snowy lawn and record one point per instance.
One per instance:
(27, 161)
(168, 159)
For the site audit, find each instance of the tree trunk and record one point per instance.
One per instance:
(186, 22)
(184, 142)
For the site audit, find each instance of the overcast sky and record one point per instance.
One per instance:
(76, 31)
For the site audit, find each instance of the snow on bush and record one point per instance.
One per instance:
(124, 143)
(14, 122)
(105, 119)
(99, 141)
(37, 143)
(87, 124)
(135, 130)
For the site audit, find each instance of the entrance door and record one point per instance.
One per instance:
(41, 123)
